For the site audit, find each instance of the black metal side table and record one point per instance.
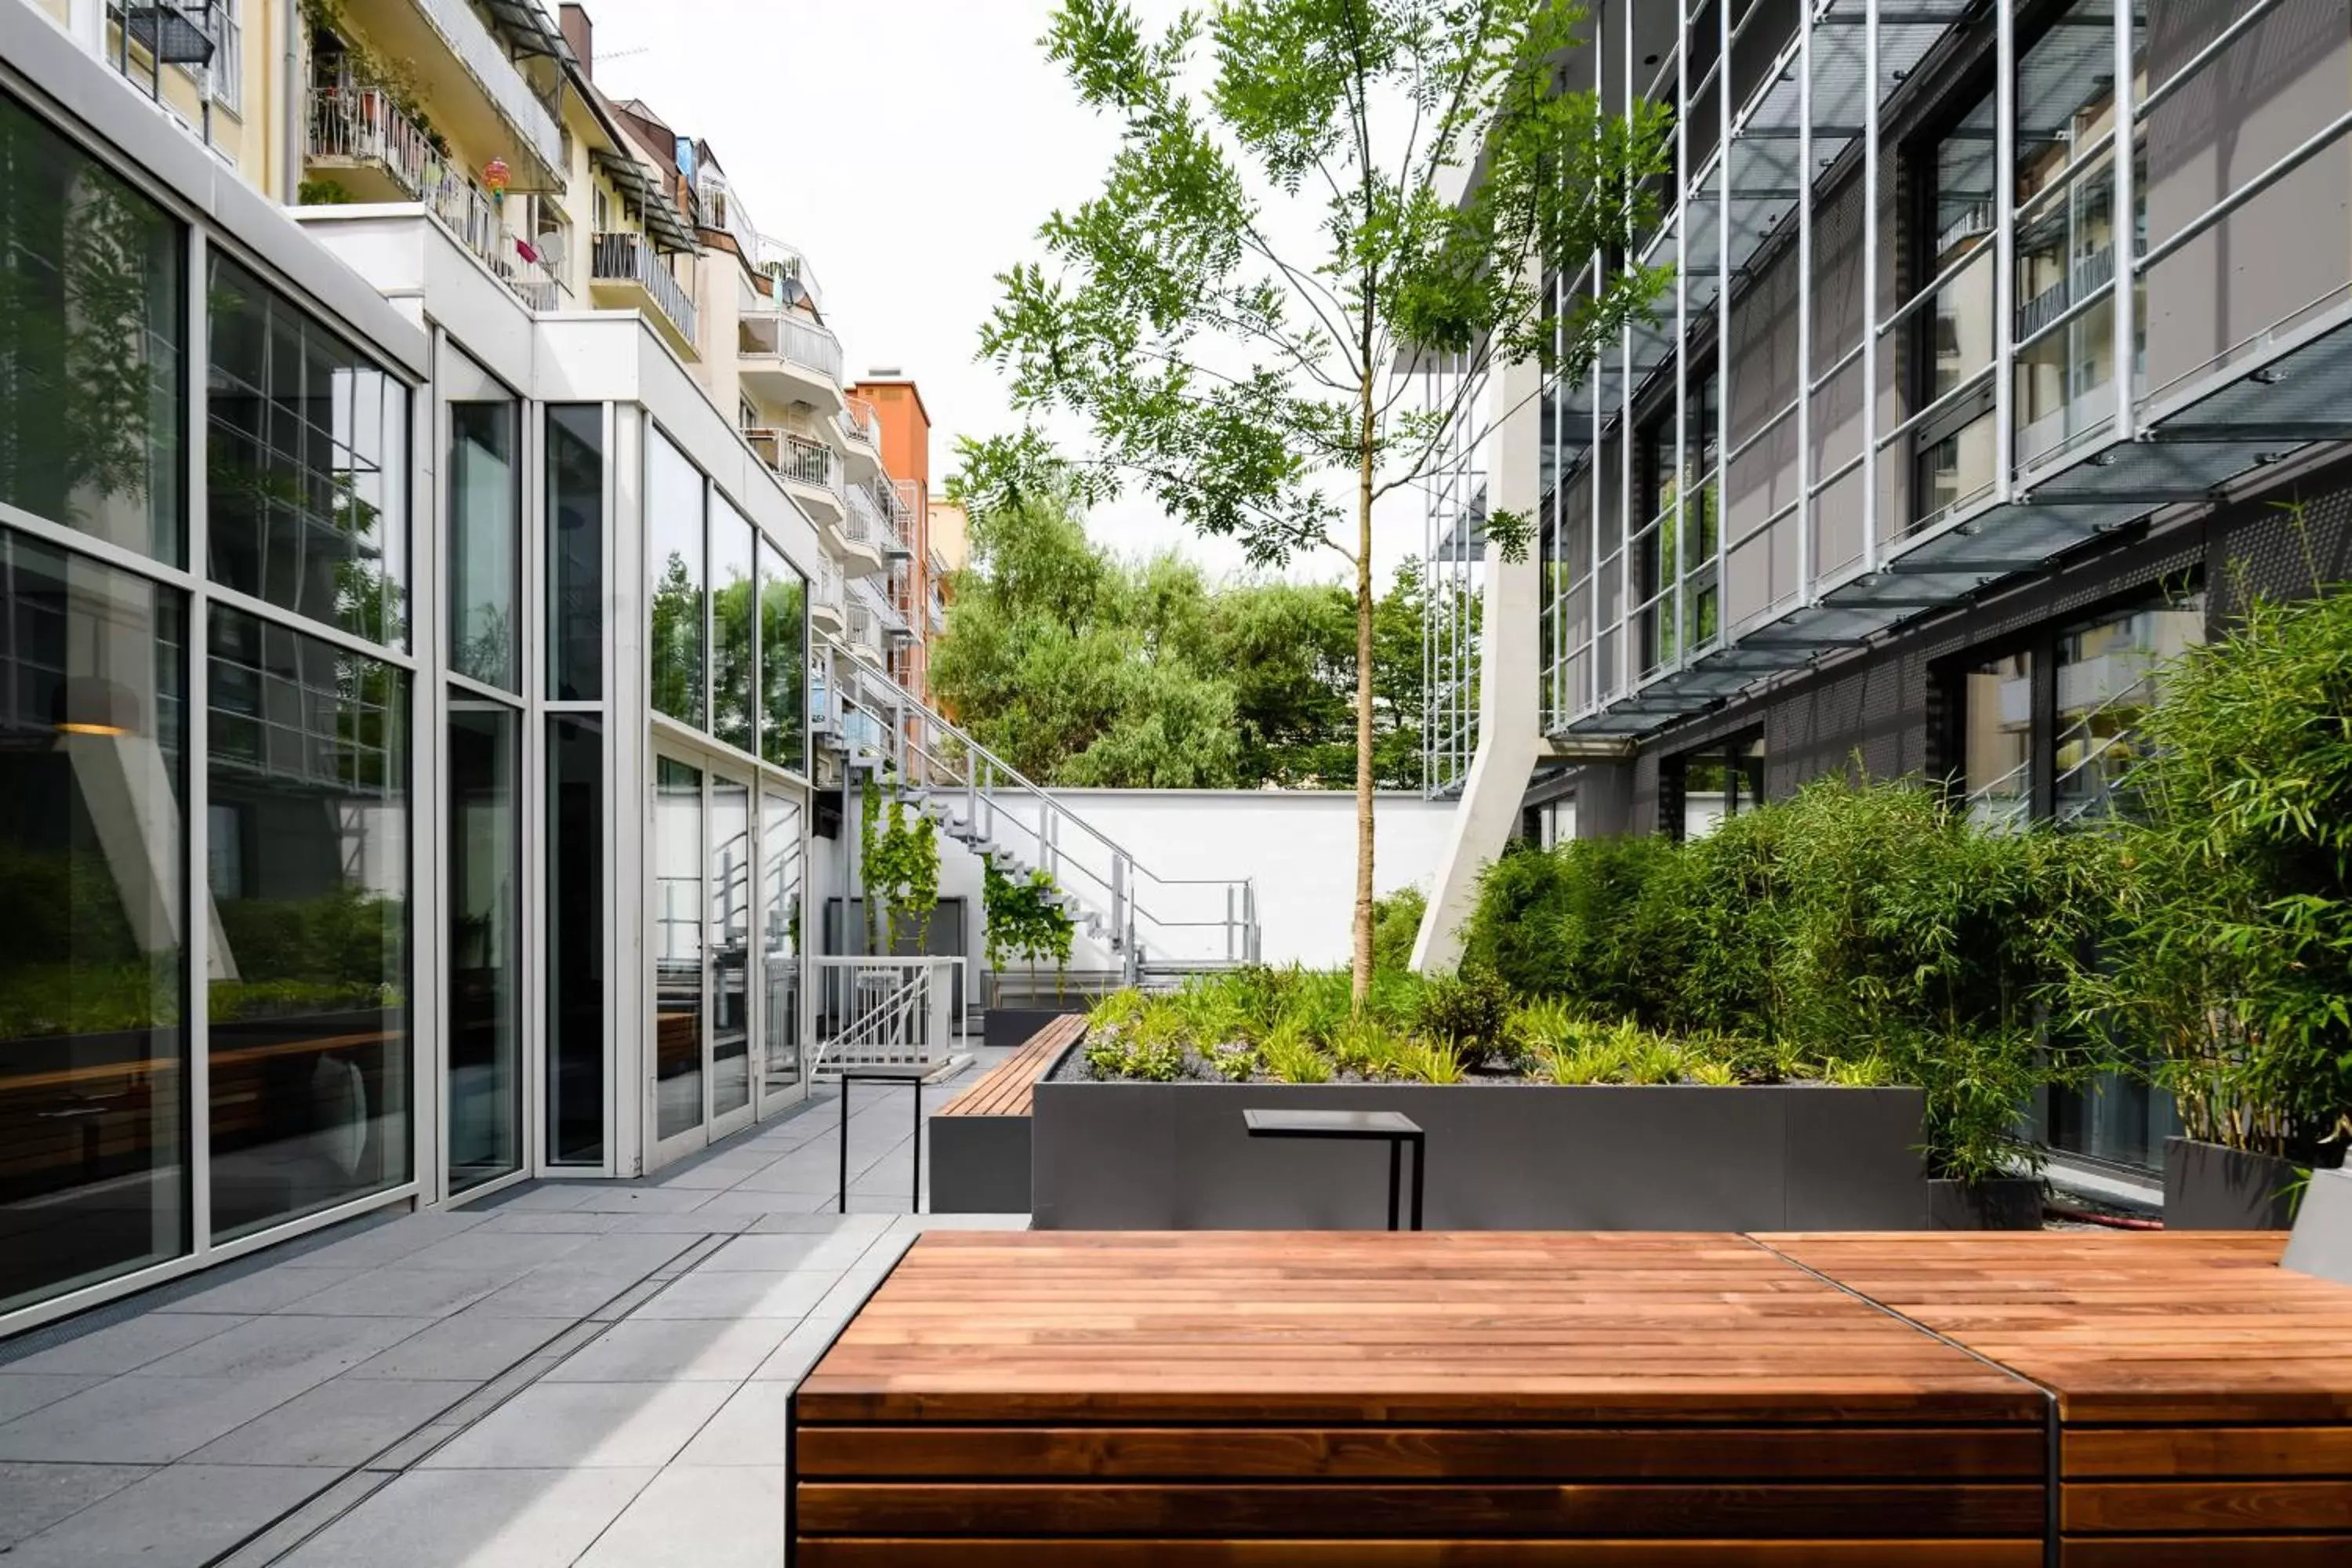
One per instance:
(912, 1077)
(1390, 1127)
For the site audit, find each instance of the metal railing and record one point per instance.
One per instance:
(787, 336)
(620, 257)
(1153, 923)
(863, 524)
(826, 591)
(862, 423)
(882, 1012)
(862, 629)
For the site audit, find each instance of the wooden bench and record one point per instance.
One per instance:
(980, 1139)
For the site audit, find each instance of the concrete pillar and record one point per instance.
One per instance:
(1510, 725)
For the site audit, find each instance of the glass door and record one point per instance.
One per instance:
(679, 980)
(733, 890)
(782, 862)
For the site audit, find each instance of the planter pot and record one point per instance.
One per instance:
(2209, 1187)
(1010, 1026)
(2011, 1204)
(1148, 1156)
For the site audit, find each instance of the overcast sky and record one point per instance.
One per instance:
(910, 148)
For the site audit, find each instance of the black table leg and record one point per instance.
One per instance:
(845, 1144)
(1420, 1163)
(1396, 1153)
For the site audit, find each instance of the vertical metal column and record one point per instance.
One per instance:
(2004, 254)
(2125, 224)
(1870, 207)
(1806, 511)
(1633, 673)
(1681, 218)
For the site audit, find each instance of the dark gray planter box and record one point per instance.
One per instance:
(980, 1164)
(2012, 1203)
(1012, 1027)
(2209, 1187)
(1149, 1156)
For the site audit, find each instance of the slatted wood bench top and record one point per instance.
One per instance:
(1008, 1088)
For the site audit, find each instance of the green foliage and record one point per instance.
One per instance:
(1396, 923)
(899, 850)
(1465, 1011)
(1022, 922)
(1570, 922)
(1429, 1061)
(1291, 1057)
(2228, 961)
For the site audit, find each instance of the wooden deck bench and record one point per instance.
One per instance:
(980, 1139)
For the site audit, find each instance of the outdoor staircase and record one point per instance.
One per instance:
(1155, 927)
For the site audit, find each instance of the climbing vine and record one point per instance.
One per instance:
(1025, 922)
(899, 850)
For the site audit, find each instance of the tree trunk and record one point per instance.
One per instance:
(1362, 968)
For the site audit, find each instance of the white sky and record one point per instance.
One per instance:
(910, 148)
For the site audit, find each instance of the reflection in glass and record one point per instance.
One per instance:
(1997, 752)
(677, 948)
(1722, 781)
(2108, 677)
(674, 548)
(484, 945)
(733, 883)
(309, 874)
(781, 865)
(306, 464)
(93, 324)
(93, 1059)
(575, 552)
(784, 661)
(575, 955)
(732, 652)
(483, 543)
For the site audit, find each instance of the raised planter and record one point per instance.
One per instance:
(2013, 1203)
(2210, 1187)
(1152, 1156)
(1010, 1026)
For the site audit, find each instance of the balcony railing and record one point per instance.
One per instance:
(863, 524)
(624, 258)
(352, 119)
(862, 423)
(808, 462)
(781, 334)
(826, 590)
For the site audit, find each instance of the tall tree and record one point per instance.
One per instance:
(1242, 380)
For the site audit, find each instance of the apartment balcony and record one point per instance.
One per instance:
(787, 358)
(811, 471)
(858, 430)
(887, 615)
(488, 100)
(862, 635)
(895, 505)
(936, 605)
(826, 598)
(628, 273)
(182, 56)
(358, 136)
(862, 532)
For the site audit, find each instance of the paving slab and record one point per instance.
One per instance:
(179, 1517)
(642, 1350)
(340, 1424)
(145, 1420)
(591, 1426)
(477, 1519)
(35, 1497)
(689, 1517)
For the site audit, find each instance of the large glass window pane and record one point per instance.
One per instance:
(575, 956)
(575, 552)
(2108, 676)
(92, 326)
(734, 882)
(781, 872)
(483, 544)
(733, 652)
(485, 944)
(677, 948)
(309, 874)
(1997, 760)
(674, 534)
(784, 661)
(306, 470)
(93, 1052)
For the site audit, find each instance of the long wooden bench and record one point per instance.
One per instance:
(980, 1139)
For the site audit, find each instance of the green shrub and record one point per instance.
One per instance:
(1429, 1061)
(1291, 1057)
(1396, 924)
(1466, 1012)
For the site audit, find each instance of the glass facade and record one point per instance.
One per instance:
(783, 872)
(308, 864)
(673, 552)
(485, 951)
(1721, 781)
(576, 1008)
(734, 885)
(734, 640)
(484, 544)
(93, 980)
(306, 465)
(677, 947)
(784, 661)
(93, 332)
(575, 553)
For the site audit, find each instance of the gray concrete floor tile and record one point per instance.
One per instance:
(22, 1392)
(741, 1204)
(918, 1223)
(740, 1293)
(779, 1254)
(178, 1517)
(556, 1197)
(35, 1497)
(547, 1222)
(268, 1289)
(129, 1345)
(586, 1426)
(823, 1224)
(476, 1252)
(695, 1223)
(642, 1200)
(471, 1346)
(789, 1362)
(475, 1519)
(699, 1519)
(404, 1290)
(342, 1424)
(143, 1420)
(688, 1350)
(296, 1344)
(392, 1240)
(751, 1429)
